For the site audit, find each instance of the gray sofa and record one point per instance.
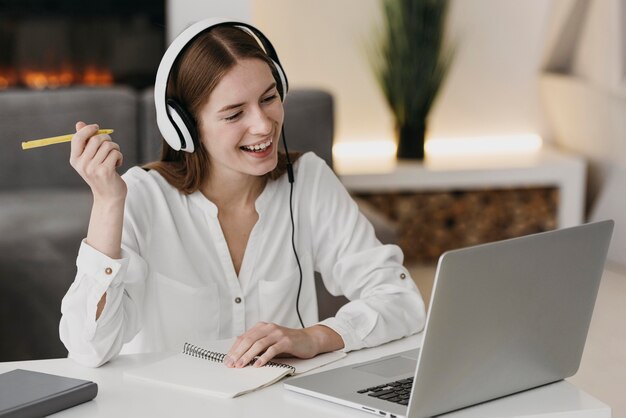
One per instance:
(45, 206)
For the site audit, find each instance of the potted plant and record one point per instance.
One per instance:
(410, 64)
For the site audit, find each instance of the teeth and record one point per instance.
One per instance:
(258, 147)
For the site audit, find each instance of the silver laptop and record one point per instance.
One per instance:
(504, 317)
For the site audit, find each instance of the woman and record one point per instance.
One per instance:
(198, 246)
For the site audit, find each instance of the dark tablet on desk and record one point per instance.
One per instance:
(25, 393)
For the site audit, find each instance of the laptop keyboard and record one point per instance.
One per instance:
(398, 391)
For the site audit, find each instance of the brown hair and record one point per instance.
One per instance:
(193, 78)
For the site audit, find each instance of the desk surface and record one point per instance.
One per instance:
(118, 396)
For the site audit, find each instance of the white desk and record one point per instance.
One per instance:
(120, 397)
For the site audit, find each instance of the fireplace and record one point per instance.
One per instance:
(46, 44)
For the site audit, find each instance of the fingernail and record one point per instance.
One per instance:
(257, 363)
(239, 363)
(228, 361)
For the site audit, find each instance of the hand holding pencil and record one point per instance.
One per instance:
(96, 157)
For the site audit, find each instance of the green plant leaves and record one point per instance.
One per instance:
(410, 60)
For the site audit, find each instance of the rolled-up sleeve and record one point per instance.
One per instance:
(385, 303)
(93, 342)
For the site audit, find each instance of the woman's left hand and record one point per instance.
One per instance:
(268, 340)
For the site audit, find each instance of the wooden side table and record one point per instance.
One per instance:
(461, 204)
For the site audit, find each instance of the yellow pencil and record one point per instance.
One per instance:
(55, 140)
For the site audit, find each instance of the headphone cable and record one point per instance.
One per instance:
(293, 228)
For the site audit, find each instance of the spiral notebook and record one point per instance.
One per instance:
(200, 369)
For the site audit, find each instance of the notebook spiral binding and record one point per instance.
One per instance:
(199, 352)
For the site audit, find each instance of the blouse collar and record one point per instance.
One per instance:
(260, 204)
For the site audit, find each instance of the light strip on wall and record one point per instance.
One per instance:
(483, 146)
(374, 156)
(364, 156)
(482, 152)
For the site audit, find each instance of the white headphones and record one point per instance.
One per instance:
(175, 123)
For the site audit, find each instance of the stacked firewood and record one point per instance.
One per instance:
(430, 223)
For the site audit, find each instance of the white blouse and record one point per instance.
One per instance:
(176, 281)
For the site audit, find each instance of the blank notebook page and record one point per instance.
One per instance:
(208, 377)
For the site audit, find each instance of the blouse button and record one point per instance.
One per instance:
(237, 300)
(108, 271)
(402, 276)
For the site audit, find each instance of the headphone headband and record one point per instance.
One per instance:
(174, 125)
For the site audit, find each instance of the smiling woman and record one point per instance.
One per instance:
(214, 241)
(215, 52)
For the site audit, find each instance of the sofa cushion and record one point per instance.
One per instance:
(29, 114)
(41, 233)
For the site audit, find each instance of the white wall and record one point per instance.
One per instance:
(181, 13)
(492, 87)
(322, 43)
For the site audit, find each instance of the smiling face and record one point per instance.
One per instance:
(240, 124)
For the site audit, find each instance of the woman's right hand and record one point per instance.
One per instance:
(96, 157)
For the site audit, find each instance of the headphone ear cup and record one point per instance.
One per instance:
(184, 124)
